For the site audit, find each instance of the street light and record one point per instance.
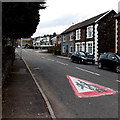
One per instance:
(21, 49)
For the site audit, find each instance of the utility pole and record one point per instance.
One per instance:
(21, 49)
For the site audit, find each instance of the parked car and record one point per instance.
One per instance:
(82, 57)
(109, 60)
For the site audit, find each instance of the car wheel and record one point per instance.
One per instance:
(85, 62)
(78, 61)
(100, 65)
(118, 69)
(93, 63)
(72, 60)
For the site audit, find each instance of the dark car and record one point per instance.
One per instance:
(82, 57)
(109, 60)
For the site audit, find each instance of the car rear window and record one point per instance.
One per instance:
(103, 56)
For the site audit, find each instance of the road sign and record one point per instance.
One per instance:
(83, 88)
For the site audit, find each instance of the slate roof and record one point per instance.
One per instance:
(84, 23)
(118, 15)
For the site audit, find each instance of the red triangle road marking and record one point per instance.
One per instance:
(83, 88)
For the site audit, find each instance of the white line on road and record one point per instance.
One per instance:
(41, 91)
(87, 71)
(51, 60)
(62, 63)
(117, 80)
(63, 57)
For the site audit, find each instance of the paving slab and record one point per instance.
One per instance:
(20, 95)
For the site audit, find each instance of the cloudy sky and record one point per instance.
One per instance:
(60, 14)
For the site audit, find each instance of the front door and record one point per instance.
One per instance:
(67, 49)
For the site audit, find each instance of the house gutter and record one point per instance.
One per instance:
(103, 16)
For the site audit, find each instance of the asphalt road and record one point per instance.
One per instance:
(51, 73)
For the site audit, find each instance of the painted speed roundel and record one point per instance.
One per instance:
(83, 88)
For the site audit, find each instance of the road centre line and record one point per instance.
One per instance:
(117, 80)
(87, 71)
(61, 63)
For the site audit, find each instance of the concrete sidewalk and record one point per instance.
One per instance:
(21, 97)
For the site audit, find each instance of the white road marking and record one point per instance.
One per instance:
(87, 71)
(51, 60)
(41, 91)
(36, 68)
(63, 57)
(117, 80)
(37, 51)
(43, 57)
(62, 63)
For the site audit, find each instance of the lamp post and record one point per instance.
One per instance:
(21, 49)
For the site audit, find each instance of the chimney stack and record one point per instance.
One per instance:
(119, 7)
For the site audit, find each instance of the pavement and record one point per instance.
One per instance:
(21, 97)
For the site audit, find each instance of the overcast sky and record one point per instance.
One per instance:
(60, 14)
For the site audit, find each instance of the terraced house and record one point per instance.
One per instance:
(95, 35)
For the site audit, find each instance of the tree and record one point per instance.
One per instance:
(20, 19)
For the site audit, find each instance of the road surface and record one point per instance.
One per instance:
(53, 73)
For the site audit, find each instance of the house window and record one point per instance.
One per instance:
(64, 38)
(89, 31)
(78, 34)
(77, 46)
(71, 49)
(83, 46)
(71, 36)
(89, 47)
(64, 49)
